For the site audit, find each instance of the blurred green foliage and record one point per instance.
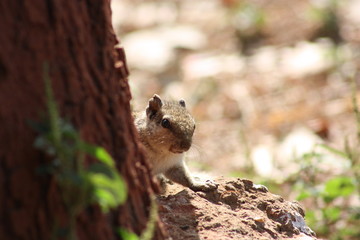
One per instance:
(80, 186)
(149, 231)
(330, 210)
(125, 234)
(331, 200)
(333, 209)
(248, 20)
(327, 19)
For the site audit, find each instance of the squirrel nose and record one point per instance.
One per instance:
(185, 145)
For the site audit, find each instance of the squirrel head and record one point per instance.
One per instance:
(170, 124)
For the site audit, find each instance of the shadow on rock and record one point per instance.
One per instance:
(177, 212)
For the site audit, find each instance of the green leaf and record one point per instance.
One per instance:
(105, 199)
(45, 169)
(102, 169)
(332, 213)
(303, 195)
(125, 234)
(71, 177)
(310, 218)
(348, 232)
(109, 192)
(109, 188)
(99, 153)
(339, 186)
(44, 144)
(102, 155)
(40, 127)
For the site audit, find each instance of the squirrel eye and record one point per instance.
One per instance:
(165, 123)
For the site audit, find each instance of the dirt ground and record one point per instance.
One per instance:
(269, 83)
(238, 209)
(255, 72)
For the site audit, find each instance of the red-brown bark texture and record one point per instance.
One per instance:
(76, 39)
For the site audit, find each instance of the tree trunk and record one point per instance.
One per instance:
(89, 81)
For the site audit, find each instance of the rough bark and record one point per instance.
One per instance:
(89, 80)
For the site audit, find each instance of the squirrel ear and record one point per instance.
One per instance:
(182, 103)
(155, 103)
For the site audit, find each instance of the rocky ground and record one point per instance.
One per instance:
(238, 209)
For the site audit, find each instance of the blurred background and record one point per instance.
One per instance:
(271, 84)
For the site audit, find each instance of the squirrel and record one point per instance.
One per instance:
(166, 129)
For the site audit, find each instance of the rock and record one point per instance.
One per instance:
(155, 49)
(306, 59)
(238, 209)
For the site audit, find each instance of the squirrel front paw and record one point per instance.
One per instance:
(204, 186)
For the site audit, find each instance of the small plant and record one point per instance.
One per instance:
(148, 233)
(248, 18)
(333, 206)
(80, 186)
(330, 210)
(248, 21)
(324, 14)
